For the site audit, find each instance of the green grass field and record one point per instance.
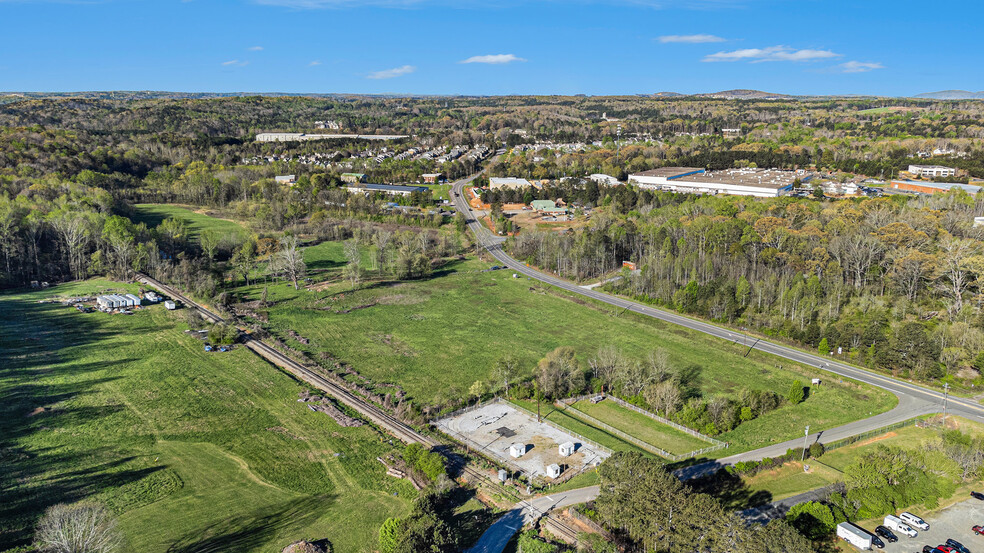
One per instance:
(435, 337)
(641, 427)
(194, 451)
(153, 214)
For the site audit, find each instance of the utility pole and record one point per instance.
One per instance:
(618, 145)
(806, 436)
(946, 393)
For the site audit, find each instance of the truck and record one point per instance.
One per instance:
(895, 523)
(855, 536)
(914, 521)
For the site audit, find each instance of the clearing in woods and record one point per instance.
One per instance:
(194, 451)
(436, 336)
(154, 214)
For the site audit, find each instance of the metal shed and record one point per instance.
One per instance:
(517, 450)
(553, 471)
(169, 305)
(566, 448)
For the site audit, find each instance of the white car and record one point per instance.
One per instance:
(914, 521)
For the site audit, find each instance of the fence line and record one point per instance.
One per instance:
(869, 434)
(612, 430)
(573, 513)
(650, 414)
(556, 427)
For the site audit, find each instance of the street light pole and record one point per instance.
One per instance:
(618, 145)
(946, 394)
(806, 436)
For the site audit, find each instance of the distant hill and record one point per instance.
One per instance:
(952, 95)
(668, 95)
(745, 94)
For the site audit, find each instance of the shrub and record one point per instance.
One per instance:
(796, 393)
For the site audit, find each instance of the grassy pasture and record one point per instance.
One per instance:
(435, 337)
(641, 427)
(154, 214)
(194, 451)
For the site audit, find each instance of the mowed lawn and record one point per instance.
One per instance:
(435, 337)
(154, 214)
(194, 451)
(641, 427)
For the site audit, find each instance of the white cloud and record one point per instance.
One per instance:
(255, 48)
(689, 39)
(772, 53)
(493, 59)
(859, 67)
(314, 63)
(390, 73)
(235, 63)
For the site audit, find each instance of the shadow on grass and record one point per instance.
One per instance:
(40, 419)
(731, 490)
(247, 531)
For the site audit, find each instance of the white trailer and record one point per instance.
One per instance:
(134, 299)
(895, 523)
(170, 305)
(855, 536)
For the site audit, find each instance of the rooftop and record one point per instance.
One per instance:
(760, 178)
(970, 188)
(667, 172)
(394, 187)
(509, 181)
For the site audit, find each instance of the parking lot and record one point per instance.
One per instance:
(954, 522)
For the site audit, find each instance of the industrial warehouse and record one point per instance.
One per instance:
(764, 183)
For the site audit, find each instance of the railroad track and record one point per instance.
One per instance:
(371, 412)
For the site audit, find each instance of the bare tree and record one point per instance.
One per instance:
(502, 372)
(607, 364)
(353, 270)
(288, 261)
(79, 528)
(663, 396)
(954, 256)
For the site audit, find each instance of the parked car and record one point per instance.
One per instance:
(977, 495)
(931, 549)
(959, 547)
(914, 521)
(979, 530)
(896, 524)
(947, 548)
(877, 542)
(886, 533)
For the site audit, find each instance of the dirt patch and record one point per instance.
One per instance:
(398, 346)
(38, 411)
(324, 405)
(876, 439)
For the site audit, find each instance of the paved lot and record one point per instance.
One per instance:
(953, 522)
(481, 429)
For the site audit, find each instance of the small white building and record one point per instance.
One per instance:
(170, 305)
(286, 179)
(932, 171)
(553, 471)
(566, 449)
(978, 221)
(517, 450)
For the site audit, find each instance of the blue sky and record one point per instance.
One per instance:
(886, 47)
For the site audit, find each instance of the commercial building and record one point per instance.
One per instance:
(603, 179)
(547, 206)
(928, 187)
(301, 137)
(496, 183)
(765, 183)
(432, 178)
(391, 189)
(353, 177)
(932, 171)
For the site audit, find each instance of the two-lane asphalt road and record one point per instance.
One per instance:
(913, 398)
